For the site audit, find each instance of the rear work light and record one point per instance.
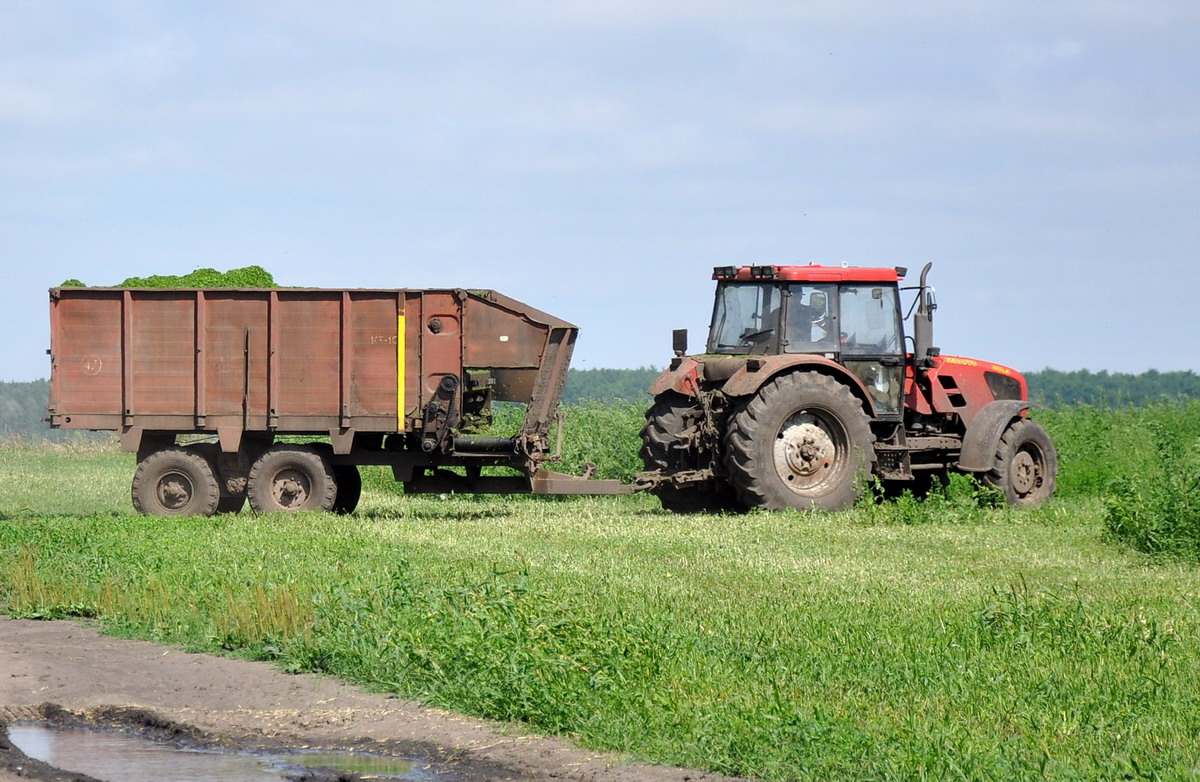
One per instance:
(762, 272)
(725, 273)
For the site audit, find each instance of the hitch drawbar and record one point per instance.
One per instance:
(548, 482)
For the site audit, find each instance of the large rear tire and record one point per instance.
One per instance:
(803, 441)
(1025, 467)
(291, 478)
(665, 448)
(175, 481)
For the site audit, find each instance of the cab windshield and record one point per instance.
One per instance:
(852, 319)
(745, 318)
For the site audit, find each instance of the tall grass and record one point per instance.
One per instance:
(1145, 464)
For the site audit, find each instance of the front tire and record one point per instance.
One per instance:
(291, 478)
(1025, 468)
(175, 482)
(803, 441)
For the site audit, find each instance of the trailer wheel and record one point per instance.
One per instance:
(291, 478)
(349, 488)
(663, 448)
(175, 482)
(348, 480)
(230, 501)
(803, 441)
(1025, 466)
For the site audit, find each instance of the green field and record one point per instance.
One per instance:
(944, 639)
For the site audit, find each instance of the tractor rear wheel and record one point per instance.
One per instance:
(803, 441)
(665, 448)
(1025, 466)
(291, 478)
(175, 481)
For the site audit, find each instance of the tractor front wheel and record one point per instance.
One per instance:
(803, 441)
(1025, 466)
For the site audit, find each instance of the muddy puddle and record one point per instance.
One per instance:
(117, 756)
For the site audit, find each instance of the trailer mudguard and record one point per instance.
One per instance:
(984, 433)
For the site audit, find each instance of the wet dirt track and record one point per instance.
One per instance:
(67, 671)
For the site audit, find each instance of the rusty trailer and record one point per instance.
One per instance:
(402, 378)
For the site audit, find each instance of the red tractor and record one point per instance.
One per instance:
(809, 388)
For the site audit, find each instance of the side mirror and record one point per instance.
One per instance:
(679, 342)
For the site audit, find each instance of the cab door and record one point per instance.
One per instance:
(872, 343)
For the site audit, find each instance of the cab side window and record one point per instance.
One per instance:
(811, 319)
(870, 321)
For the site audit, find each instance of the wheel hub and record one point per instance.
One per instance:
(290, 489)
(804, 452)
(174, 491)
(1024, 472)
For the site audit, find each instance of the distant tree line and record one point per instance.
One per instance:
(22, 408)
(605, 385)
(23, 405)
(1052, 387)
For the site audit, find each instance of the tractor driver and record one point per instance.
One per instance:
(809, 322)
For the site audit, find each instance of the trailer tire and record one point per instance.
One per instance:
(349, 488)
(666, 421)
(1025, 466)
(175, 481)
(291, 478)
(803, 441)
(348, 480)
(230, 502)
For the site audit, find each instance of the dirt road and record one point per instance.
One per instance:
(68, 670)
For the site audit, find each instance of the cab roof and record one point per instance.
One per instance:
(811, 273)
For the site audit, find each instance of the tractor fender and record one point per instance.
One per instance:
(984, 433)
(759, 371)
(683, 377)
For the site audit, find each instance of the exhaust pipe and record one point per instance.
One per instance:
(923, 349)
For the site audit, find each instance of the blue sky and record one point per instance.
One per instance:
(597, 159)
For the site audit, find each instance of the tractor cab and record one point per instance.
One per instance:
(851, 316)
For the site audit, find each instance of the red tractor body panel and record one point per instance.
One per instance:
(963, 386)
